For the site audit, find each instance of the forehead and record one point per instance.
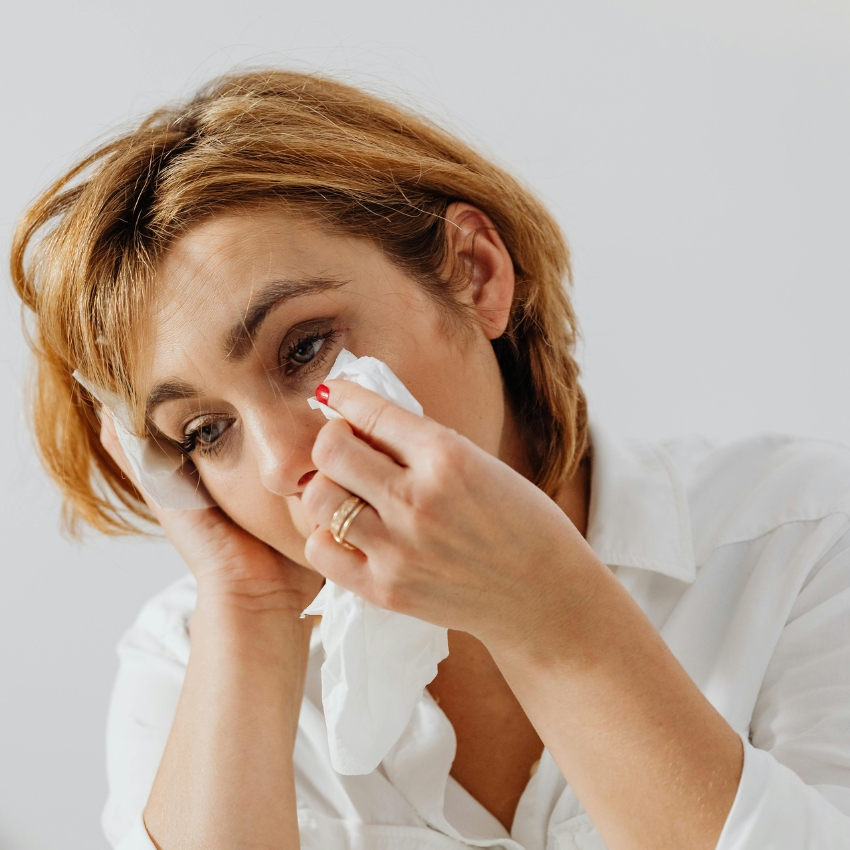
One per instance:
(211, 276)
(234, 250)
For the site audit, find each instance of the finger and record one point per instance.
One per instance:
(321, 499)
(391, 429)
(348, 568)
(354, 464)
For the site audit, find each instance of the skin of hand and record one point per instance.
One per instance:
(451, 534)
(454, 536)
(225, 559)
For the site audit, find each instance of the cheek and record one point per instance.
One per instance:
(462, 390)
(278, 521)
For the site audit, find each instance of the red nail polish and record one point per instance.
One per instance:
(323, 393)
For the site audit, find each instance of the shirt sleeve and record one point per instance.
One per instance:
(794, 792)
(152, 665)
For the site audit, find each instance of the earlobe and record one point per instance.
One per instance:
(477, 246)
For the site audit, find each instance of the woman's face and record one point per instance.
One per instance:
(251, 311)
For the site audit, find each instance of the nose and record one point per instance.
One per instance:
(281, 442)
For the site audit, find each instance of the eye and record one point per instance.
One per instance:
(209, 432)
(305, 350)
(205, 435)
(305, 353)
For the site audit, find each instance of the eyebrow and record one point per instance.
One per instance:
(168, 390)
(237, 342)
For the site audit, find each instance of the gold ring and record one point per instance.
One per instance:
(343, 516)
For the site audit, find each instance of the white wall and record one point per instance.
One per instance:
(697, 155)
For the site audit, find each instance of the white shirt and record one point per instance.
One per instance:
(740, 557)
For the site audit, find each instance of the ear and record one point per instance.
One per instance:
(474, 245)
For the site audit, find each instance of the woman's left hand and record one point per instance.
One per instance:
(450, 535)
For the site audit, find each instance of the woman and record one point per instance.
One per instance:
(649, 644)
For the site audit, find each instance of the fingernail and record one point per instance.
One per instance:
(323, 393)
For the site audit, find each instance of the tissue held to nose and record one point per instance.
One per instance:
(377, 662)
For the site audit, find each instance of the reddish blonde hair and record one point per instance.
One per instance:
(84, 254)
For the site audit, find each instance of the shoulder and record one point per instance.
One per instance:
(162, 625)
(746, 488)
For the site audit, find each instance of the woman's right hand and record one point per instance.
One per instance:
(226, 778)
(224, 558)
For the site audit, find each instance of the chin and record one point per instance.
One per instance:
(290, 535)
(290, 545)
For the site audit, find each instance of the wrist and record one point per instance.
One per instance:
(564, 622)
(248, 624)
(225, 592)
(255, 648)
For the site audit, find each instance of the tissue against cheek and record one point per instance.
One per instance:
(163, 471)
(377, 662)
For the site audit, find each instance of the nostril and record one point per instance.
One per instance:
(302, 481)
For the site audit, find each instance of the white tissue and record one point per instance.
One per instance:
(162, 470)
(377, 663)
(371, 373)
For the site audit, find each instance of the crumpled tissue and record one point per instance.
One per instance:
(162, 470)
(377, 662)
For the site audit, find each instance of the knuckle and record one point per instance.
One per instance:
(327, 445)
(401, 490)
(368, 418)
(310, 496)
(444, 459)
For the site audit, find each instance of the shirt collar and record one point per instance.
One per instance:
(639, 513)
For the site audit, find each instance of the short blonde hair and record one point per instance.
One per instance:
(84, 254)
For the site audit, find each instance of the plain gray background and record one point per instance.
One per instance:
(697, 155)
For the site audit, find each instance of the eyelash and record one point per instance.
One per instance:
(189, 444)
(308, 339)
